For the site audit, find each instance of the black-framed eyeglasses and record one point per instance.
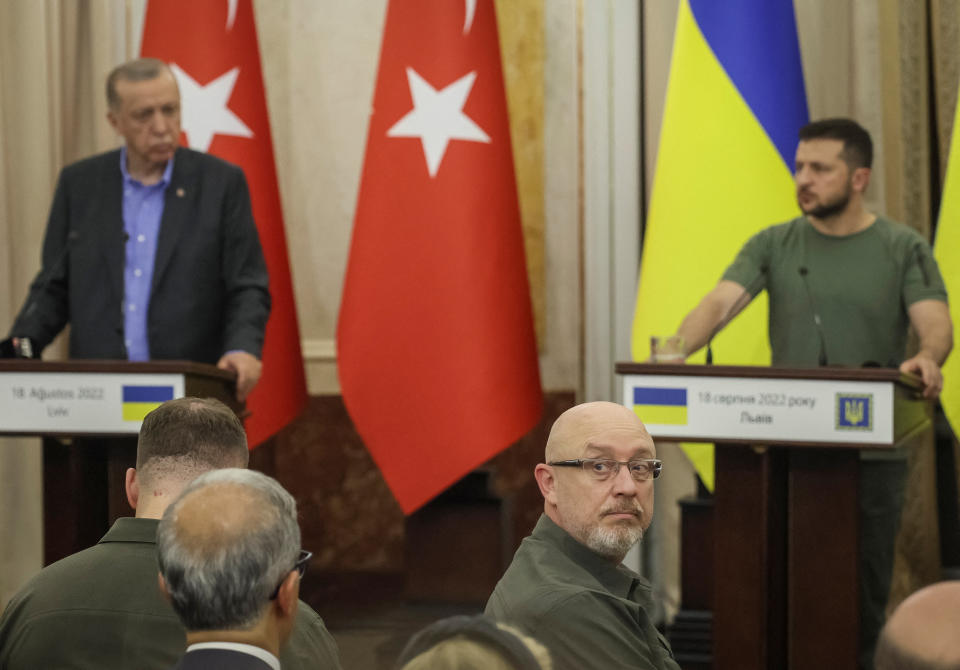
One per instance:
(602, 469)
(300, 566)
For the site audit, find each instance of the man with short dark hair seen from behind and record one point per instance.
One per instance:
(101, 608)
(844, 286)
(566, 586)
(922, 632)
(230, 562)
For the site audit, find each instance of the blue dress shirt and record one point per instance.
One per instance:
(142, 210)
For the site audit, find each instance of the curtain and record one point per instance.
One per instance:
(54, 58)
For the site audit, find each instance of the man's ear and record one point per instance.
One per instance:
(547, 482)
(162, 585)
(132, 486)
(288, 595)
(861, 179)
(112, 119)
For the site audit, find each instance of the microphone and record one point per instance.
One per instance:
(16, 347)
(816, 315)
(739, 304)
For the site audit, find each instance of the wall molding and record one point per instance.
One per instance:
(319, 350)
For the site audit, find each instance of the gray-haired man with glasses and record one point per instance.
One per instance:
(566, 586)
(230, 562)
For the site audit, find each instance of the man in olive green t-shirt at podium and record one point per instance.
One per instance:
(844, 286)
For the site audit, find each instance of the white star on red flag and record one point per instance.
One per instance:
(204, 110)
(437, 117)
(436, 351)
(215, 42)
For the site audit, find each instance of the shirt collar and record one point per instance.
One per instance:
(164, 180)
(259, 652)
(618, 579)
(132, 529)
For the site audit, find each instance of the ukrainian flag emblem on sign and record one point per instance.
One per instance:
(138, 401)
(664, 406)
(854, 411)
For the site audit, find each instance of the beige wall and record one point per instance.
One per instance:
(319, 67)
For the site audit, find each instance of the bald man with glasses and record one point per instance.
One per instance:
(566, 586)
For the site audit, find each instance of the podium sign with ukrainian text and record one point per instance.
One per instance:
(771, 565)
(748, 409)
(77, 403)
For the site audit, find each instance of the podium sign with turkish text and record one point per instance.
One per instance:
(76, 403)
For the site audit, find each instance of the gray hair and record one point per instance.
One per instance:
(141, 69)
(221, 572)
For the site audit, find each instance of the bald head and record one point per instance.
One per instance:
(574, 429)
(215, 517)
(606, 508)
(224, 545)
(922, 632)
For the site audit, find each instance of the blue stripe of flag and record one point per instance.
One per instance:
(651, 395)
(147, 393)
(756, 43)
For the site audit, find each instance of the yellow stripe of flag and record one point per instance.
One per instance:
(719, 179)
(667, 415)
(137, 411)
(946, 249)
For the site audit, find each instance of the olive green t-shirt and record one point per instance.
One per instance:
(860, 285)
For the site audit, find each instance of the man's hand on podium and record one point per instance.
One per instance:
(924, 366)
(248, 368)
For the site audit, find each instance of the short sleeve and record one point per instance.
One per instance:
(749, 268)
(921, 278)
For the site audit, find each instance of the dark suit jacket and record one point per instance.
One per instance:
(220, 659)
(209, 293)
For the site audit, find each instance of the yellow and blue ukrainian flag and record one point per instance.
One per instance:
(735, 101)
(666, 406)
(946, 249)
(140, 400)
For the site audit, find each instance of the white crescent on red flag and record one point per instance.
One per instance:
(212, 49)
(436, 349)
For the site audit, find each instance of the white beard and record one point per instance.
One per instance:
(613, 543)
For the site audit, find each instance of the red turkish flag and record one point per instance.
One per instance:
(212, 48)
(436, 349)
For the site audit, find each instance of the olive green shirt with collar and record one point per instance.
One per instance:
(101, 608)
(588, 612)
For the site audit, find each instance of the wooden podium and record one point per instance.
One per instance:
(79, 406)
(785, 520)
